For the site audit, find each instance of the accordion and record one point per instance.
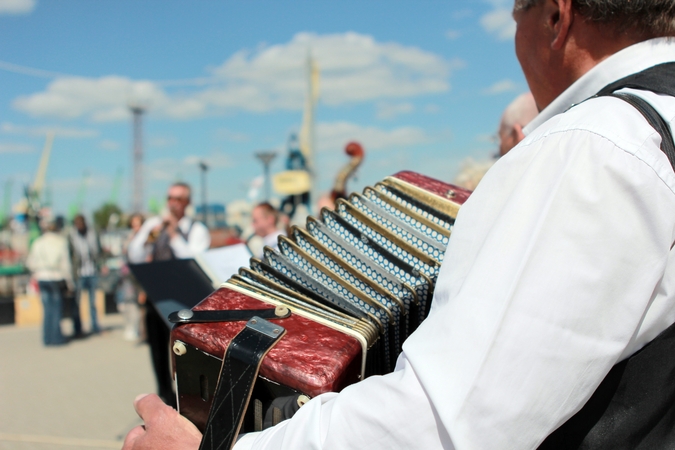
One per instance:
(347, 290)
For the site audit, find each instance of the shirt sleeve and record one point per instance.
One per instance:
(548, 281)
(198, 241)
(381, 412)
(138, 251)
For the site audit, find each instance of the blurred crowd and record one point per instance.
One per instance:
(67, 262)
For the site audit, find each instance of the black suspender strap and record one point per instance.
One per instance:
(658, 79)
(655, 120)
(235, 384)
(634, 406)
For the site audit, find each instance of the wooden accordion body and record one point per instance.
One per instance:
(357, 282)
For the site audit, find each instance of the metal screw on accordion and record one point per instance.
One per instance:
(280, 311)
(450, 193)
(364, 239)
(302, 399)
(275, 331)
(253, 321)
(179, 348)
(185, 314)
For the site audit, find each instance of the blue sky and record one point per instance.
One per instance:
(421, 84)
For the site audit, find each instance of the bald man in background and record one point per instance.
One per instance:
(516, 116)
(510, 132)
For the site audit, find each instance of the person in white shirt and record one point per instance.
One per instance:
(49, 262)
(173, 235)
(265, 220)
(560, 265)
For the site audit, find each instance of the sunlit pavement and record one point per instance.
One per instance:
(77, 396)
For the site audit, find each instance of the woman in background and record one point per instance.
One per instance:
(132, 296)
(49, 262)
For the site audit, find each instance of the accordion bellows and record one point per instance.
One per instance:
(357, 280)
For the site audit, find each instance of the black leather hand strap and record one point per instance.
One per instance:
(235, 384)
(189, 316)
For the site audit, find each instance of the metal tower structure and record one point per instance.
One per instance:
(137, 155)
(266, 158)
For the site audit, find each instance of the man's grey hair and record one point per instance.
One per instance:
(183, 185)
(651, 18)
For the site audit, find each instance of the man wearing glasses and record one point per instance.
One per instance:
(173, 235)
(170, 236)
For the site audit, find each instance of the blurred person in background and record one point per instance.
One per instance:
(49, 263)
(510, 132)
(265, 221)
(130, 295)
(173, 235)
(85, 252)
(516, 116)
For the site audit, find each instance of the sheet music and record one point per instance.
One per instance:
(221, 263)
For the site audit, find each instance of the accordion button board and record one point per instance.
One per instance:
(358, 280)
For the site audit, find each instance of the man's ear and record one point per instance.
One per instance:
(560, 17)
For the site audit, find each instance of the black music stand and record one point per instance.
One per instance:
(171, 286)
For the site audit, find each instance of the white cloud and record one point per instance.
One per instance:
(391, 110)
(232, 136)
(215, 160)
(90, 181)
(168, 169)
(462, 14)
(353, 67)
(74, 133)
(17, 6)
(109, 145)
(334, 136)
(103, 99)
(500, 87)
(499, 22)
(16, 148)
(432, 108)
(453, 34)
(487, 138)
(162, 141)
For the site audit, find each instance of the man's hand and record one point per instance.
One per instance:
(164, 428)
(171, 225)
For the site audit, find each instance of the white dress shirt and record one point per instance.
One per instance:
(559, 266)
(198, 240)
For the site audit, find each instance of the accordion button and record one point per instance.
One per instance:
(179, 348)
(281, 311)
(302, 399)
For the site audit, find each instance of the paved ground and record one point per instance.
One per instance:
(78, 396)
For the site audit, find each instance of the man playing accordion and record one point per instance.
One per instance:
(560, 272)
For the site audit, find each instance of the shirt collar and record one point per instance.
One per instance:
(628, 61)
(184, 223)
